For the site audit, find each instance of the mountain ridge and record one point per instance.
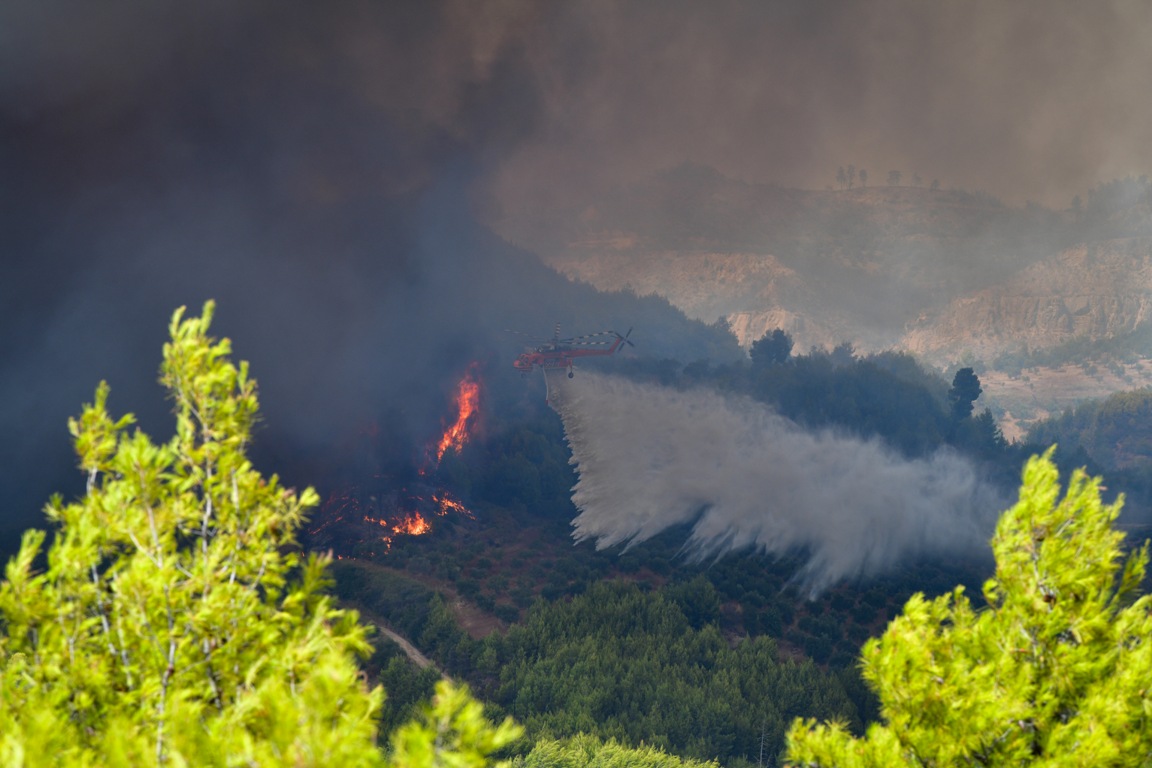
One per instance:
(946, 274)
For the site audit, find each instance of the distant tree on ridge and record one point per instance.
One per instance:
(772, 347)
(964, 393)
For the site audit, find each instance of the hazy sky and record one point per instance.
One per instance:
(1030, 99)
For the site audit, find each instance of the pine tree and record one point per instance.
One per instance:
(964, 393)
(171, 621)
(584, 750)
(1056, 669)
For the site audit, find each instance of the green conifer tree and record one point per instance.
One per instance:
(584, 751)
(171, 621)
(1055, 671)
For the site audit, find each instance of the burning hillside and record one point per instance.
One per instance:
(467, 412)
(364, 520)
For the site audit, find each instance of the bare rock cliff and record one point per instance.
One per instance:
(1094, 291)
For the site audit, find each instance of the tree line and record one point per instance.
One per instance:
(847, 176)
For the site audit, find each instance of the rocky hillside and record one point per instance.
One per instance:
(860, 265)
(940, 272)
(1092, 291)
(1020, 399)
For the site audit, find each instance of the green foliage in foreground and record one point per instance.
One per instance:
(585, 751)
(452, 732)
(1055, 671)
(172, 622)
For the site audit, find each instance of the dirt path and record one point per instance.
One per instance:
(411, 651)
(477, 622)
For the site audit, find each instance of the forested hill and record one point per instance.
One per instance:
(1116, 431)
(642, 654)
(1112, 435)
(707, 660)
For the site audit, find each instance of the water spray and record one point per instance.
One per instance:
(743, 477)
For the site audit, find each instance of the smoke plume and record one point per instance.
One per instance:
(650, 458)
(329, 171)
(311, 166)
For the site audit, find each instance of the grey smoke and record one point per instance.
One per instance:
(650, 458)
(321, 168)
(1004, 97)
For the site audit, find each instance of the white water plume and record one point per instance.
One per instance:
(651, 457)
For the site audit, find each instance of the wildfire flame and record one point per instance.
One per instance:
(406, 522)
(446, 504)
(467, 406)
(400, 512)
(411, 524)
(414, 525)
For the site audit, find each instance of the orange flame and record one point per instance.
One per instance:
(346, 505)
(415, 525)
(447, 504)
(467, 405)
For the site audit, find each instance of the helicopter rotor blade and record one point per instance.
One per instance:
(586, 338)
(522, 333)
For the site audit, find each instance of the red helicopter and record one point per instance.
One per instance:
(559, 353)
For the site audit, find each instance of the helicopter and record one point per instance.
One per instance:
(558, 353)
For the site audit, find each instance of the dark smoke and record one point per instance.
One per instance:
(311, 166)
(1007, 98)
(319, 168)
(651, 458)
(315, 167)
(157, 156)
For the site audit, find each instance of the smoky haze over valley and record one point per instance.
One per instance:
(339, 175)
